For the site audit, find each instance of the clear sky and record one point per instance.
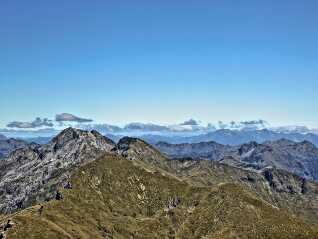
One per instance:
(160, 61)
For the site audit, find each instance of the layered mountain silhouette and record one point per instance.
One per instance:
(299, 158)
(190, 131)
(232, 137)
(83, 185)
(9, 145)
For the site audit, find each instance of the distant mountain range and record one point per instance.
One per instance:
(234, 137)
(2, 137)
(187, 128)
(191, 131)
(299, 158)
(9, 145)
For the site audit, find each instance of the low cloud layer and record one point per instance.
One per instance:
(37, 123)
(70, 118)
(145, 127)
(190, 122)
(254, 122)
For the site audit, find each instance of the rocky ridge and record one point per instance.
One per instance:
(33, 174)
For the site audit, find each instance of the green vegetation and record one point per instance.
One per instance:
(116, 198)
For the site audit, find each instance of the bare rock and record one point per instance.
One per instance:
(33, 174)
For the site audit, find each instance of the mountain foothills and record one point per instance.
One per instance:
(83, 185)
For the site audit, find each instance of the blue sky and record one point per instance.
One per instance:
(160, 61)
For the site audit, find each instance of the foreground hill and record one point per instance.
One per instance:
(277, 187)
(115, 198)
(83, 185)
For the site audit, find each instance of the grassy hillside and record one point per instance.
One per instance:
(286, 191)
(115, 198)
(277, 187)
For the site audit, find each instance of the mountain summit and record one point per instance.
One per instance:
(33, 174)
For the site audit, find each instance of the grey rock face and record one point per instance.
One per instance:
(32, 174)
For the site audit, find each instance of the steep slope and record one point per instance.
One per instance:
(305, 154)
(299, 158)
(33, 174)
(113, 198)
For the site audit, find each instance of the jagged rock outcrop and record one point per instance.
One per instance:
(33, 174)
